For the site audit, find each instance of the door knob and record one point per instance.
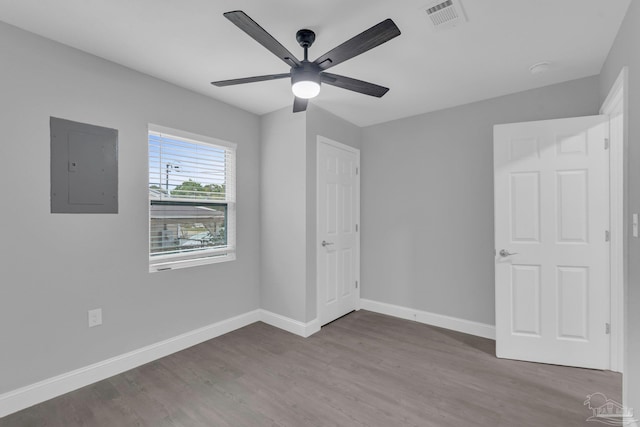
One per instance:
(506, 253)
(325, 243)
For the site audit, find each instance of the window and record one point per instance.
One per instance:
(191, 199)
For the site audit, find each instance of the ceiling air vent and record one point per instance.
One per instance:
(445, 14)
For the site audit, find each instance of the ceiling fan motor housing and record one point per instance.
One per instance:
(307, 71)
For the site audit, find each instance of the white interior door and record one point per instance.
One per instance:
(337, 237)
(551, 233)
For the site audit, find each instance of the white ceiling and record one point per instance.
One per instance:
(190, 43)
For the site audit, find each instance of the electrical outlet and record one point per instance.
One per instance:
(95, 317)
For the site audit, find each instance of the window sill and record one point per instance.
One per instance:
(176, 265)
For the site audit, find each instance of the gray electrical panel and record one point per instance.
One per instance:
(84, 168)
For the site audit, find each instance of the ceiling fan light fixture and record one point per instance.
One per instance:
(305, 81)
(305, 89)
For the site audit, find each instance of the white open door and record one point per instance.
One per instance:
(338, 244)
(551, 234)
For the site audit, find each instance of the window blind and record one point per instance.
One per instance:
(183, 169)
(192, 197)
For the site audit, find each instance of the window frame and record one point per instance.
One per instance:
(204, 256)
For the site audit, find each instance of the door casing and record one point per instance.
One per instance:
(616, 105)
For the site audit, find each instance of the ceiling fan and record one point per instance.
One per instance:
(305, 75)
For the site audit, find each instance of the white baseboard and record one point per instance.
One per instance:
(455, 324)
(24, 397)
(294, 326)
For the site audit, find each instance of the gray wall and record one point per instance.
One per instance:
(625, 52)
(283, 214)
(288, 206)
(427, 200)
(54, 267)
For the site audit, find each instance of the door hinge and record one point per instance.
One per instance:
(356, 284)
(606, 143)
(357, 171)
(356, 227)
(607, 328)
(607, 236)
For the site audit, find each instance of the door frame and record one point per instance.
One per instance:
(617, 102)
(324, 140)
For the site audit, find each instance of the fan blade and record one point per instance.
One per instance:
(259, 34)
(300, 104)
(231, 82)
(353, 84)
(374, 36)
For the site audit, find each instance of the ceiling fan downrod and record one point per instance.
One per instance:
(305, 39)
